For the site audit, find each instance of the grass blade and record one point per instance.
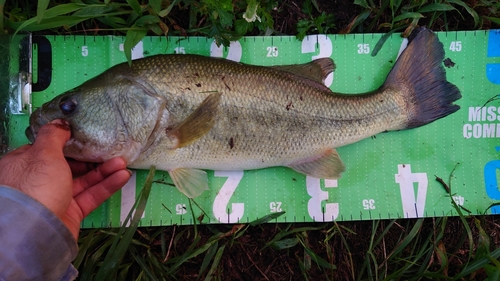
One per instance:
(435, 7)
(123, 239)
(166, 11)
(357, 21)
(40, 10)
(134, 4)
(285, 243)
(216, 262)
(267, 218)
(478, 264)
(319, 260)
(409, 15)
(83, 248)
(493, 19)
(132, 38)
(383, 39)
(50, 13)
(469, 10)
(155, 5)
(208, 258)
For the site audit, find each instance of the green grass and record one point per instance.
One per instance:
(229, 20)
(379, 250)
(455, 248)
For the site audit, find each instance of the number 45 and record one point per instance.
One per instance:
(456, 46)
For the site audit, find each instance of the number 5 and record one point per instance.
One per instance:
(85, 51)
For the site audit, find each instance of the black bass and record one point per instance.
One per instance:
(186, 113)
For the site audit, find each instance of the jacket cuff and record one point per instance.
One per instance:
(36, 245)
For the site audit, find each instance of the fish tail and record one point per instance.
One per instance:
(419, 74)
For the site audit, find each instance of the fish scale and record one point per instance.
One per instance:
(319, 113)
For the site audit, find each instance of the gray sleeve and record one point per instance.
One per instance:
(34, 242)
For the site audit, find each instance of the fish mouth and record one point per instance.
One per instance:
(36, 122)
(30, 134)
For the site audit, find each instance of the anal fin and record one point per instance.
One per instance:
(325, 166)
(191, 182)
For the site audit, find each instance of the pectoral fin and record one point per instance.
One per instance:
(326, 166)
(191, 182)
(197, 124)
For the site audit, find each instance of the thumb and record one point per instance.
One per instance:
(54, 134)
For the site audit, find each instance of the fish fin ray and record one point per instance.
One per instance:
(197, 124)
(190, 182)
(326, 166)
(317, 70)
(419, 74)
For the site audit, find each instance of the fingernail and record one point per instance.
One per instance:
(130, 172)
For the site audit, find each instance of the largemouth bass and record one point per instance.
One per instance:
(187, 113)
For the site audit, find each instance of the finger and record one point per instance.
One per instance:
(79, 168)
(98, 174)
(94, 196)
(53, 135)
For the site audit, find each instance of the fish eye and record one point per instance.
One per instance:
(67, 105)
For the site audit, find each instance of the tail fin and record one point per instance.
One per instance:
(420, 71)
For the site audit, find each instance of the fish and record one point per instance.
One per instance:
(186, 114)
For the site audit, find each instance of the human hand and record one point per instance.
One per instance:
(41, 171)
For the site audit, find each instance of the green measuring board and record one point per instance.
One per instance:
(391, 175)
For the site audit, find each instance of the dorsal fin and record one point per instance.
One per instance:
(317, 70)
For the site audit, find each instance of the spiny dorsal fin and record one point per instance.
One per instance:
(317, 70)
(197, 124)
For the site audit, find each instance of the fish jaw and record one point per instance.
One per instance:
(77, 150)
